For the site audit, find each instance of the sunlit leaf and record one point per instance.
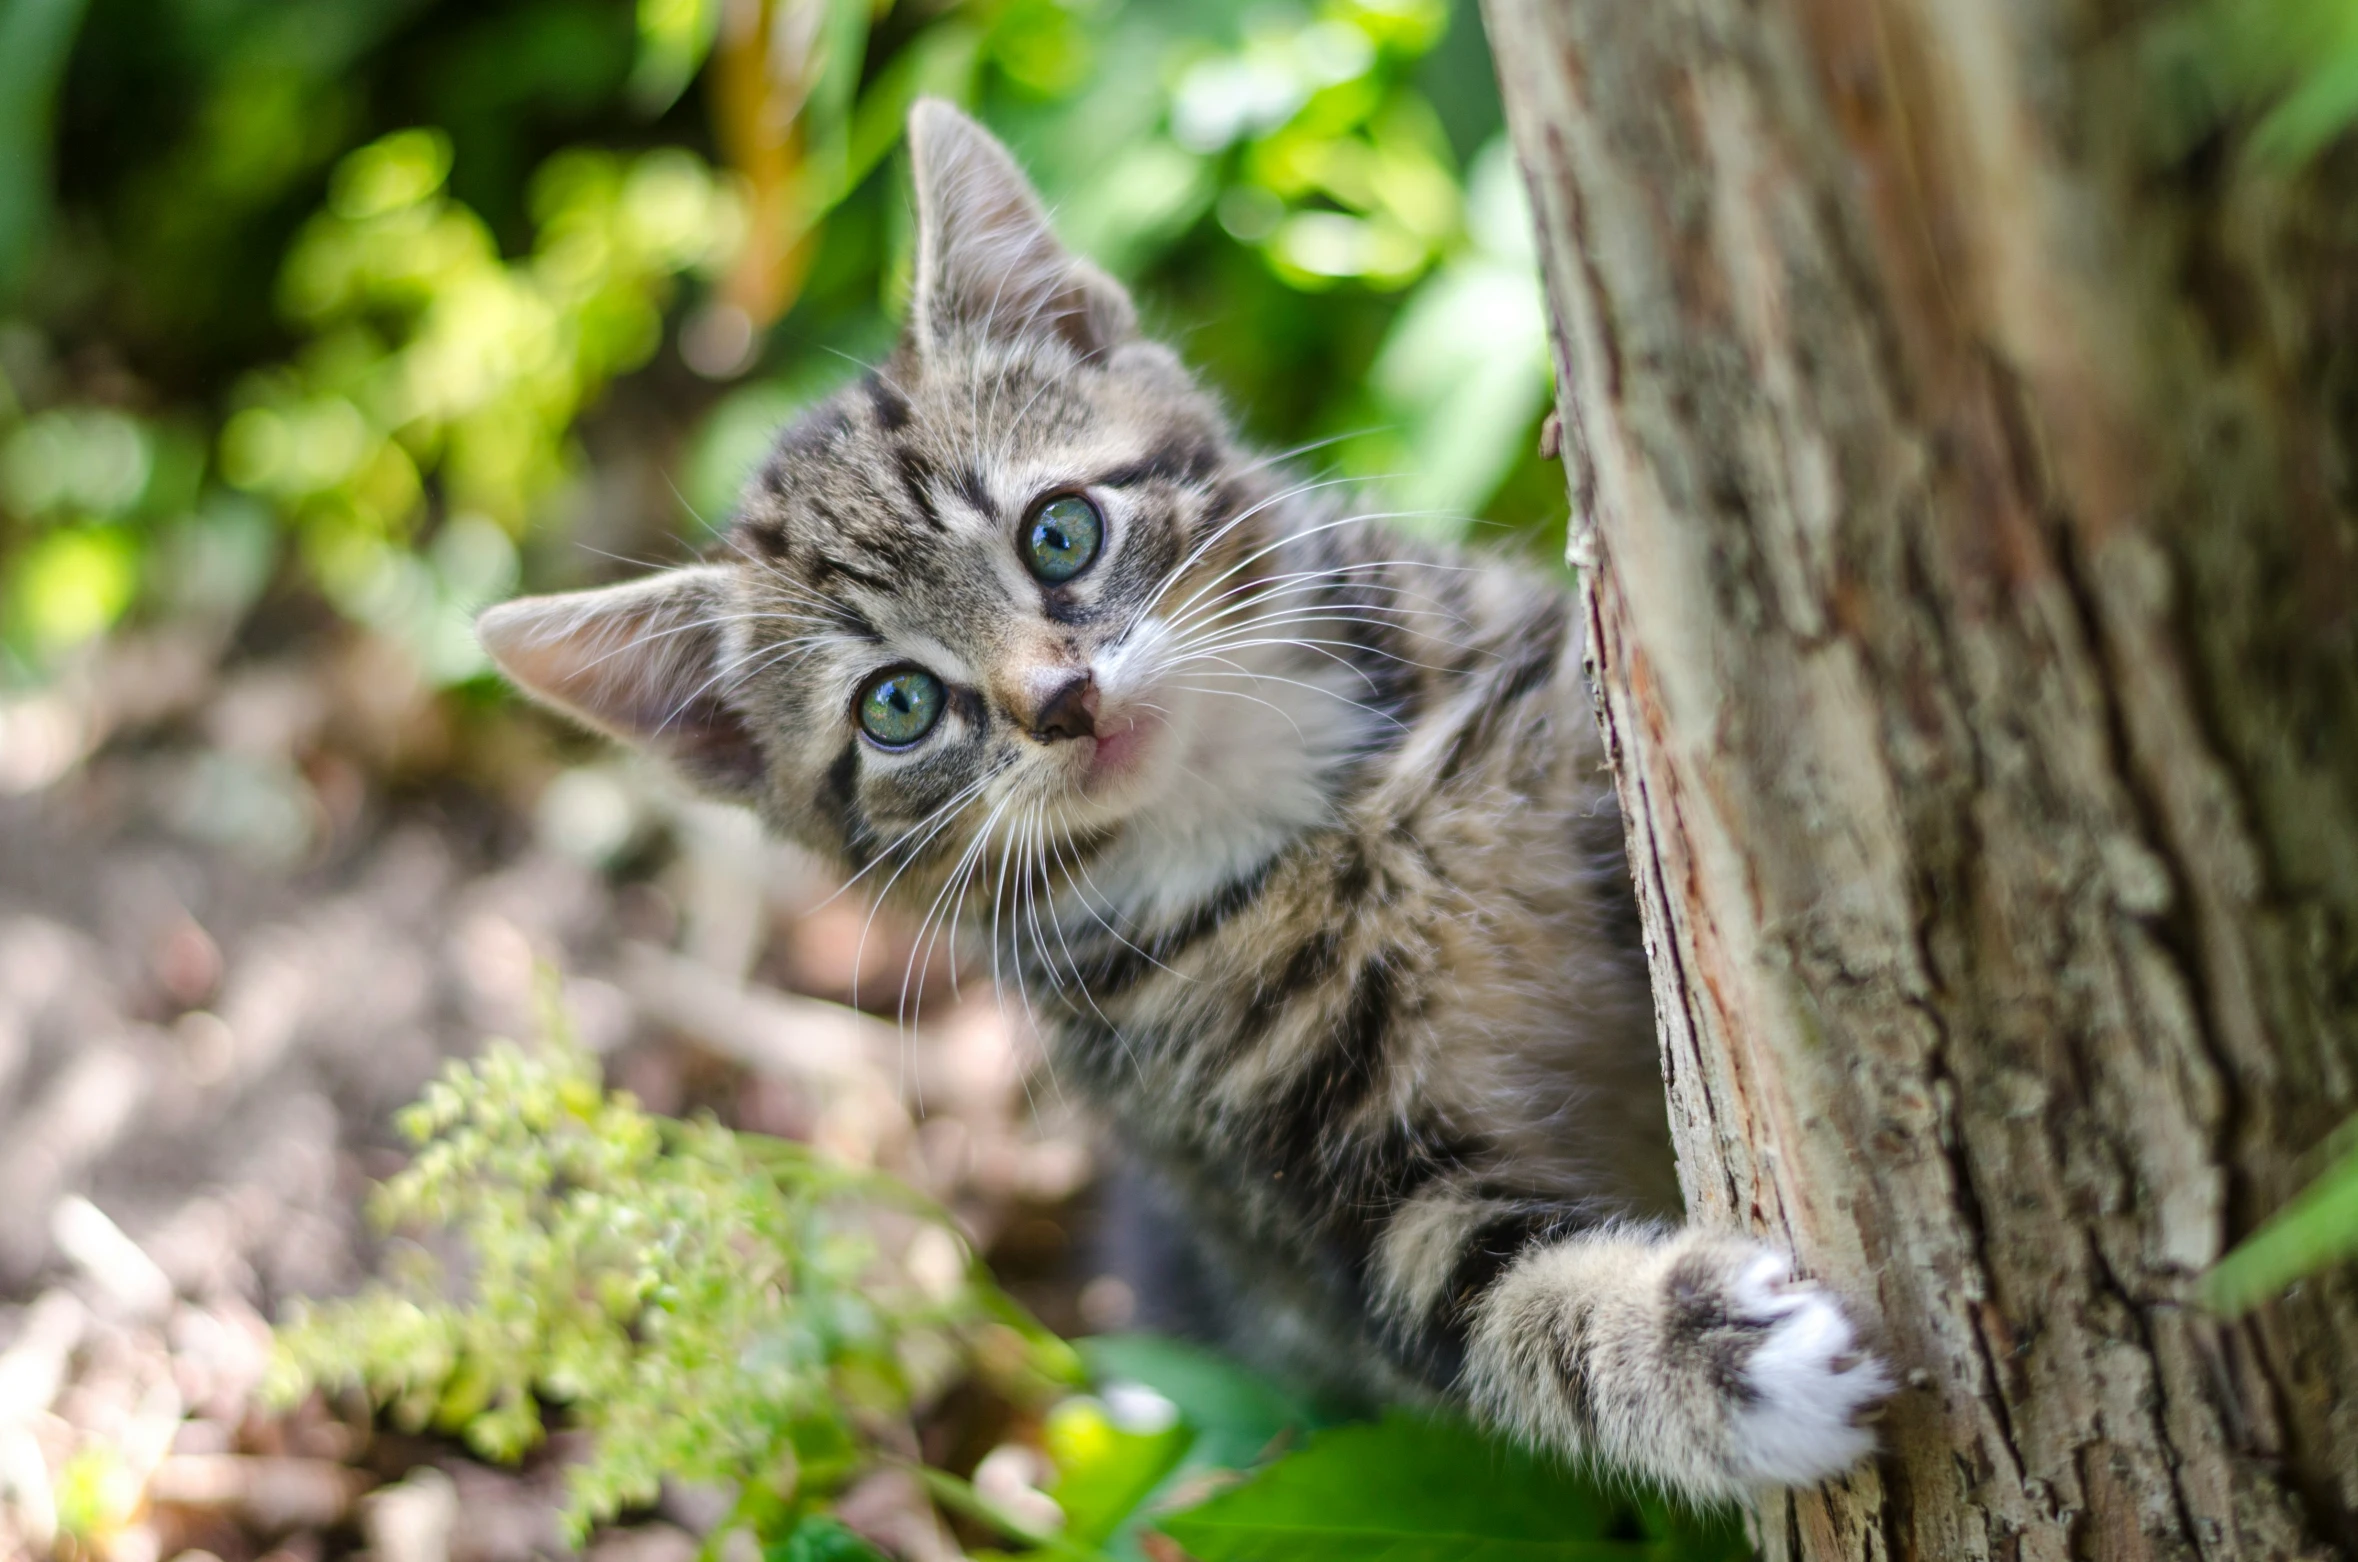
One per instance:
(2287, 69)
(1104, 1470)
(1410, 1490)
(1237, 1414)
(2317, 1229)
(674, 38)
(70, 585)
(400, 170)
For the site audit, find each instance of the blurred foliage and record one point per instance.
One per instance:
(397, 302)
(2287, 67)
(2291, 65)
(2288, 71)
(432, 359)
(34, 36)
(734, 1311)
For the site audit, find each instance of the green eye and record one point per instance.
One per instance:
(1062, 538)
(901, 707)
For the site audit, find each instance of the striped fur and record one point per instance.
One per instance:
(1326, 912)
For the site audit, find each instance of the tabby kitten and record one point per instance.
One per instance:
(1294, 835)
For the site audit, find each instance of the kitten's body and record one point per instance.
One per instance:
(1413, 1035)
(1296, 838)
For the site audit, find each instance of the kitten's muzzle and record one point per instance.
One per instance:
(1068, 711)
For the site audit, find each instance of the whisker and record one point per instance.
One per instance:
(1281, 603)
(921, 951)
(1265, 588)
(1304, 618)
(1290, 538)
(943, 814)
(1239, 694)
(1179, 571)
(655, 565)
(1239, 641)
(1242, 672)
(731, 675)
(1073, 961)
(963, 795)
(650, 636)
(1266, 462)
(1090, 880)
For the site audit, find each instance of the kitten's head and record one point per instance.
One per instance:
(1002, 590)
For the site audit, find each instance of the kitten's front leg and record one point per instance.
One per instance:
(1695, 1358)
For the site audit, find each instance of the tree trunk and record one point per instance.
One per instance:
(1963, 480)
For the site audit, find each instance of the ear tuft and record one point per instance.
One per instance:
(988, 264)
(645, 662)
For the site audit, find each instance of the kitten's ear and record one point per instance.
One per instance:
(643, 662)
(987, 261)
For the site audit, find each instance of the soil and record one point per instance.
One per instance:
(248, 905)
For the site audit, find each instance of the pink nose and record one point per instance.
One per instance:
(1068, 711)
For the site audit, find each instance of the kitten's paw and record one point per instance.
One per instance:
(1800, 1382)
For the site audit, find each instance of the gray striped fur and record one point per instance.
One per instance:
(1346, 954)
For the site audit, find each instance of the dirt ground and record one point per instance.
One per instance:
(244, 914)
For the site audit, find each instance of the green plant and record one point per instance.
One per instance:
(2285, 71)
(2296, 62)
(736, 1311)
(709, 1306)
(2317, 1228)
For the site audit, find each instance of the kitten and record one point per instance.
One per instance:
(1294, 834)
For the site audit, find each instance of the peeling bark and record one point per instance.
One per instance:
(1965, 490)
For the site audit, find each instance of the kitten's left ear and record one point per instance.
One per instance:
(987, 261)
(644, 662)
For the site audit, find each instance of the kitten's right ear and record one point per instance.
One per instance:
(988, 263)
(644, 662)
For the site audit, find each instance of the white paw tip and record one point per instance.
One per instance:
(1809, 1382)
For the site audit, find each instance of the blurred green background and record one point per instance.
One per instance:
(368, 311)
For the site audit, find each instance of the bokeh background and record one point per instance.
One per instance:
(324, 323)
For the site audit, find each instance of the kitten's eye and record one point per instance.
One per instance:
(1062, 538)
(901, 707)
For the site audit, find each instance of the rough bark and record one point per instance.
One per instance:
(1963, 477)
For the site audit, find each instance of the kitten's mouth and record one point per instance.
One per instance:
(1115, 755)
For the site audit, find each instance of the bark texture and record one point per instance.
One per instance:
(1963, 474)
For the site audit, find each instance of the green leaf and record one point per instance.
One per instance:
(2319, 1227)
(1236, 1414)
(674, 38)
(1229, 1420)
(1104, 1471)
(821, 1539)
(35, 36)
(1410, 1490)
